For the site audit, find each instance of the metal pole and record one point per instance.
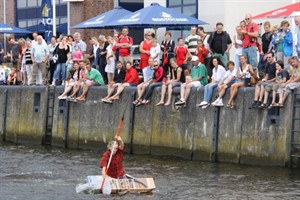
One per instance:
(4, 21)
(54, 17)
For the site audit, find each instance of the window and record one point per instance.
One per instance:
(187, 7)
(22, 3)
(32, 3)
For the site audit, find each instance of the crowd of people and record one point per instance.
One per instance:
(271, 64)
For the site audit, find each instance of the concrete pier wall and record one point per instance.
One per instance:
(239, 135)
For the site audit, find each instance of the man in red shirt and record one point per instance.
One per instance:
(182, 54)
(250, 33)
(116, 168)
(124, 43)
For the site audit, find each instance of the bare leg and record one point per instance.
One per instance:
(261, 93)
(76, 88)
(163, 93)
(182, 91)
(266, 97)
(170, 90)
(257, 92)
(110, 90)
(187, 91)
(119, 91)
(85, 89)
(222, 90)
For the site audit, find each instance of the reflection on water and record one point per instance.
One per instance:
(37, 173)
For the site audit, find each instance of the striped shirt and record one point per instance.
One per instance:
(191, 43)
(28, 59)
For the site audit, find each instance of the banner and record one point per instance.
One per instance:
(47, 19)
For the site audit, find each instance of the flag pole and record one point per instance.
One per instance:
(54, 17)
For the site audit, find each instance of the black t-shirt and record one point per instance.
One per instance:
(271, 70)
(283, 74)
(62, 54)
(217, 43)
(266, 39)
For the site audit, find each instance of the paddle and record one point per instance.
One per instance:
(111, 154)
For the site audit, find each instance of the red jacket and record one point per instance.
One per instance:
(132, 76)
(116, 169)
(158, 75)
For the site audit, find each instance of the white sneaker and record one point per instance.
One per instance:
(220, 103)
(205, 106)
(202, 103)
(215, 102)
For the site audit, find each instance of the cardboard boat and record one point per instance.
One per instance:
(112, 185)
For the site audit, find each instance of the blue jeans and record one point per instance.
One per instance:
(150, 89)
(60, 71)
(208, 91)
(251, 53)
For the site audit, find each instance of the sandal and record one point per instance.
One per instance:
(272, 105)
(263, 105)
(160, 103)
(136, 101)
(138, 104)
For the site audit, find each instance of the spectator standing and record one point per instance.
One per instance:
(297, 23)
(220, 43)
(266, 39)
(167, 47)
(145, 47)
(22, 49)
(238, 44)
(110, 60)
(101, 56)
(39, 58)
(155, 51)
(204, 37)
(197, 79)
(182, 54)
(62, 51)
(191, 43)
(1, 53)
(52, 58)
(284, 43)
(92, 55)
(78, 42)
(124, 43)
(218, 73)
(13, 52)
(201, 51)
(250, 33)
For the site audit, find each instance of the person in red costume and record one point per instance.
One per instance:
(116, 168)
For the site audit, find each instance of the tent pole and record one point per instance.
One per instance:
(4, 21)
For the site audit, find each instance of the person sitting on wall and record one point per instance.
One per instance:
(147, 75)
(92, 78)
(77, 84)
(177, 80)
(294, 82)
(157, 80)
(198, 78)
(73, 77)
(282, 76)
(244, 74)
(218, 73)
(131, 79)
(229, 78)
(268, 79)
(119, 76)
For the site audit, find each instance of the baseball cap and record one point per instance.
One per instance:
(195, 58)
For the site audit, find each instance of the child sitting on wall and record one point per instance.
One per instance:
(12, 77)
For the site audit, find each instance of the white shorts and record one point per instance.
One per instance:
(195, 83)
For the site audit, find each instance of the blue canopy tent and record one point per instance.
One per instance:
(156, 16)
(102, 20)
(4, 28)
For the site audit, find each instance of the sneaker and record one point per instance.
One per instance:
(202, 104)
(73, 99)
(220, 103)
(107, 101)
(62, 97)
(215, 102)
(205, 106)
(180, 102)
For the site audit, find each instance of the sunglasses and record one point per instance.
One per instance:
(155, 65)
(247, 18)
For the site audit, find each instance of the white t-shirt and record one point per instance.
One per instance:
(218, 74)
(228, 75)
(155, 51)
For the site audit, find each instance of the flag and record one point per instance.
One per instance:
(47, 19)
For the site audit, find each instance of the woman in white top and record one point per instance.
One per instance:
(244, 74)
(238, 43)
(218, 73)
(110, 60)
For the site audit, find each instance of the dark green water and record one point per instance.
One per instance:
(36, 173)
